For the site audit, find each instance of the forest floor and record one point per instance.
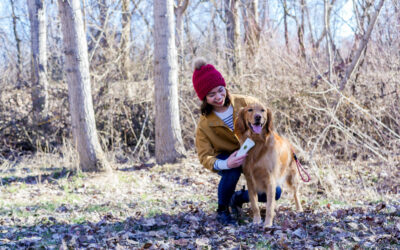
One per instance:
(147, 206)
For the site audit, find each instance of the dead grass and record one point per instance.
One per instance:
(45, 178)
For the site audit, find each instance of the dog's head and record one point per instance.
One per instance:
(253, 119)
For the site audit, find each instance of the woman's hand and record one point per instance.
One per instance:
(235, 161)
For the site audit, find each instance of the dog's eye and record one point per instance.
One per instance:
(250, 110)
(262, 110)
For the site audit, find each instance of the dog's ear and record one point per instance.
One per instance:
(240, 124)
(269, 126)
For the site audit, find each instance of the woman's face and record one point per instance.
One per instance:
(216, 97)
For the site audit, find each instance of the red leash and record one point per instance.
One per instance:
(300, 168)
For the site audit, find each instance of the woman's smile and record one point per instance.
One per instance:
(216, 97)
(220, 102)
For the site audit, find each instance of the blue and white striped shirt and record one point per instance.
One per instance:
(227, 118)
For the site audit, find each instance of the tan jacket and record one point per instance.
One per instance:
(213, 136)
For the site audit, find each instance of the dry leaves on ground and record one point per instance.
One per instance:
(173, 206)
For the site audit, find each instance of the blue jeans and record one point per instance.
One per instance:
(227, 185)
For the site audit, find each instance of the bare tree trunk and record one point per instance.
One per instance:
(300, 31)
(169, 143)
(265, 15)
(125, 38)
(37, 17)
(17, 41)
(312, 41)
(363, 44)
(91, 156)
(324, 32)
(251, 25)
(215, 39)
(255, 17)
(237, 50)
(179, 11)
(328, 44)
(102, 4)
(84, 15)
(233, 34)
(396, 6)
(285, 15)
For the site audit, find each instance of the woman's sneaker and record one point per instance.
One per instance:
(224, 217)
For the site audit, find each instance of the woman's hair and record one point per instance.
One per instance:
(206, 108)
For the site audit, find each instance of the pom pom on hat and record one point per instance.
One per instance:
(205, 78)
(198, 62)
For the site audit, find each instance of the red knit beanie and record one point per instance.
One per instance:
(205, 78)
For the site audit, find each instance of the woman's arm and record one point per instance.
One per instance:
(205, 150)
(207, 155)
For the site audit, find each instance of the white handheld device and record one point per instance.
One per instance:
(247, 145)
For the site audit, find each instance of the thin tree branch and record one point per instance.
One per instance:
(363, 44)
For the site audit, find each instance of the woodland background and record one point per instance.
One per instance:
(328, 69)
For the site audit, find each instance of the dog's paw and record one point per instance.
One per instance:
(267, 225)
(268, 222)
(299, 208)
(257, 220)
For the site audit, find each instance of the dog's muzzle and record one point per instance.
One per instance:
(256, 127)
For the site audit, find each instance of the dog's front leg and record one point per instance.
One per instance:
(270, 206)
(253, 199)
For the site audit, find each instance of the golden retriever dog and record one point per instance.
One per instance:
(269, 163)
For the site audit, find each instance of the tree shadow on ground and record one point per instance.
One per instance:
(41, 178)
(137, 167)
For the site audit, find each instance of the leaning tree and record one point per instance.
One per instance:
(91, 156)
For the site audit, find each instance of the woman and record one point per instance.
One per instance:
(216, 143)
